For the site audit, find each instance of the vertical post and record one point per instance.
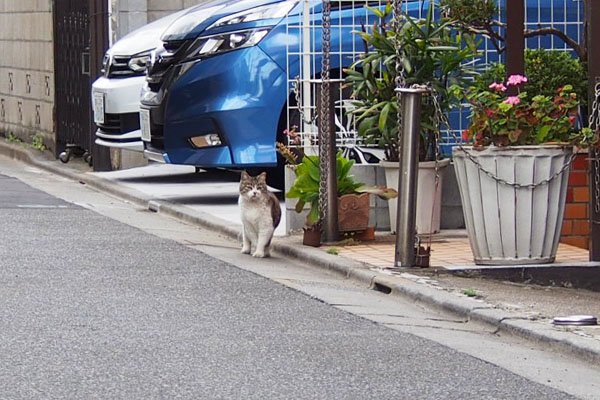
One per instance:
(407, 181)
(592, 15)
(306, 74)
(515, 39)
(327, 149)
(99, 41)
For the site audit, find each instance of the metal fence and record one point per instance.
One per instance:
(304, 61)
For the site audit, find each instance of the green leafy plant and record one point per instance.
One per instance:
(37, 141)
(546, 70)
(470, 292)
(13, 139)
(432, 53)
(333, 251)
(502, 120)
(307, 171)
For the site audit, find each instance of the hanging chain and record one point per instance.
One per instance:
(324, 111)
(594, 124)
(400, 73)
(296, 83)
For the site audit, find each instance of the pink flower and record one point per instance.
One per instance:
(516, 80)
(514, 100)
(498, 87)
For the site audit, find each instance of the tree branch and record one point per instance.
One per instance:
(557, 32)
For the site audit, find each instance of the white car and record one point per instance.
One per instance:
(116, 94)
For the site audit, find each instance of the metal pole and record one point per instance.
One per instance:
(328, 200)
(407, 181)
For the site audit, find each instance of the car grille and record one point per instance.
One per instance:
(157, 139)
(119, 68)
(172, 52)
(116, 124)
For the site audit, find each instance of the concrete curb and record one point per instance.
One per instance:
(358, 272)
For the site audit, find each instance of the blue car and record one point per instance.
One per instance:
(217, 88)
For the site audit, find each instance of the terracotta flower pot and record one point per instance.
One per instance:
(311, 237)
(353, 212)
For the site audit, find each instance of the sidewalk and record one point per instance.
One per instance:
(523, 309)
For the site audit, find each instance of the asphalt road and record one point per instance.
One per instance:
(93, 308)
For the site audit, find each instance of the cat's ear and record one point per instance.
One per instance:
(262, 177)
(245, 175)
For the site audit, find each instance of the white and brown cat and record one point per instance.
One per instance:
(260, 213)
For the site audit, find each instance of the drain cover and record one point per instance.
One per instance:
(576, 320)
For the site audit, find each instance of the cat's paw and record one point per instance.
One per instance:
(245, 250)
(260, 254)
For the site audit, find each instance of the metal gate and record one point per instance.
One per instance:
(80, 39)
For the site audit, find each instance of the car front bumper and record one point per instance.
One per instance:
(121, 127)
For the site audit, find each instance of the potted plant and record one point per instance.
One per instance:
(353, 197)
(513, 179)
(432, 54)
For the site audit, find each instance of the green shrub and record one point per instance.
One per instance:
(546, 71)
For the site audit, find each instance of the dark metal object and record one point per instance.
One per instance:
(581, 320)
(328, 202)
(78, 40)
(407, 182)
(592, 16)
(515, 39)
(99, 42)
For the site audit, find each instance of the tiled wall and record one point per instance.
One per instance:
(576, 225)
(26, 70)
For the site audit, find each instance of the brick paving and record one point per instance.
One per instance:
(448, 251)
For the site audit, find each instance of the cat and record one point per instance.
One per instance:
(260, 212)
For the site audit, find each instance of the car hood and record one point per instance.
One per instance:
(146, 37)
(198, 18)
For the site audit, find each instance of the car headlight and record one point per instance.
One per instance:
(231, 41)
(138, 62)
(105, 64)
(271, 11)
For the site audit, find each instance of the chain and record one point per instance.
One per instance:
(296, 89)
(493, 176)
(400, 73)
(324, 111)
(594, 124)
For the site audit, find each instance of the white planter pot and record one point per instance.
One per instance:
(429, 198)
(508, 225)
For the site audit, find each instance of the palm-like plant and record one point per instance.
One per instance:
(431, 52)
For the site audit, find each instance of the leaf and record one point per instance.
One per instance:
(383, 117)
(313, 215)
(300, 206)
(382, 192)
(542, 133)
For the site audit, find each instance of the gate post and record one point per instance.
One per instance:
(407, 179)
(327, 149)
(99, 41)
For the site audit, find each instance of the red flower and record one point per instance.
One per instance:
(489, 112)
(573, 120)
(465, 135)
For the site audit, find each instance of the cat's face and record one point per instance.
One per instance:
(252, 187)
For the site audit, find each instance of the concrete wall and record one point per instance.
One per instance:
(128, 15)
(27, 69)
